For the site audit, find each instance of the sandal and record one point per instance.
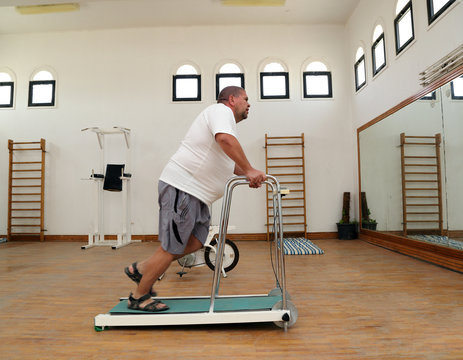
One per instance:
(134, 304)
(136, 276)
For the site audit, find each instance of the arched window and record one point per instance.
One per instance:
(403, 24)
(378, 50)
(274, 81)
(436, 8)
(317, 81)
(42, 89)
(186, 84)
(6, 89)
(456, 87)
(359, 68)
(230, 74)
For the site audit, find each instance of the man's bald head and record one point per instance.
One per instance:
(228, 91)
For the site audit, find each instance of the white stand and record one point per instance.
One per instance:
(97, 237)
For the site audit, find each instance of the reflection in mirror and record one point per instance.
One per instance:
(404, 191)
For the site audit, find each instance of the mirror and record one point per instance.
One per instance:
(400, 163)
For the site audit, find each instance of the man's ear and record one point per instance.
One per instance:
(231, 100)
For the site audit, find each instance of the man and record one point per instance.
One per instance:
(192, 180)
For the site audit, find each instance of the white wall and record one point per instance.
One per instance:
(400, 79)
(123, 77)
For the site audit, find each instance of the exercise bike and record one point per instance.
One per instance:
(207, 255)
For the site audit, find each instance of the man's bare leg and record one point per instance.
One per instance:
(157, 264)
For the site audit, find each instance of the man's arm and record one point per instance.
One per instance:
(231, 146)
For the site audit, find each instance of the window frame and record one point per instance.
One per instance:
(406, 8)
(433, 16)
(429, 98)
(452, 91)
(317, 73)
(11, 85)
(218, 76)
(356, 65)
(263, 74)
(373, 48)
(186, 76)
(32, 83)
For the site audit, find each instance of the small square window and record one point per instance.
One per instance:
(42, 93)
(274, 85)
(6, 94)
(378, 52)
(317, 84)
(186, 88)
(456, 87)
(360, 77)
(403, 24)
(224, 80)
(436, 8)
(430, 96)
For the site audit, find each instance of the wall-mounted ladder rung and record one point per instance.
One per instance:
(288, 199)
(421, 181)
(421, 150)
(25, 201)
(421, 204)
(284, 166)
(418, 143)
(433, 189)
(420, 173)
(26, 209)
(26, 170)
(286, 174)
(26, 162)
(27, 178)
(286, 154)
(286, 158)
(422, 221)
(25, 233)
(286, 144)
(25, 225)
(420, 157)
(421, 197)
(19, 167)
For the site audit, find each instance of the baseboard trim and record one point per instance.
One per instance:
(439, 255)
(149, 237)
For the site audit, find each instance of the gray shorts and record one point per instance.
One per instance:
(180, 216)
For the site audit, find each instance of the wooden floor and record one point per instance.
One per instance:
(357, 301)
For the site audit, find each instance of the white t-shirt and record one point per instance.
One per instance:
(200, 167)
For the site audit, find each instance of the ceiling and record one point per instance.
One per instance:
(103, 14)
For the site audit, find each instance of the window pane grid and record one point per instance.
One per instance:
(6, 94)
(317, 84)
(42, 93)
(436, 8)
(430, 96)
(379, 54)
(274, 85)
(224, 80)
(456, 87)
(403, 23)
(186, 88)
(360, 76)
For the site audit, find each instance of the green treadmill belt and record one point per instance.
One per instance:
(178, 306)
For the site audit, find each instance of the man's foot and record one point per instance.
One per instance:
(132, 272)
(144, 303)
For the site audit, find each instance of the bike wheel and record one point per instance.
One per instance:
(231, 255)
